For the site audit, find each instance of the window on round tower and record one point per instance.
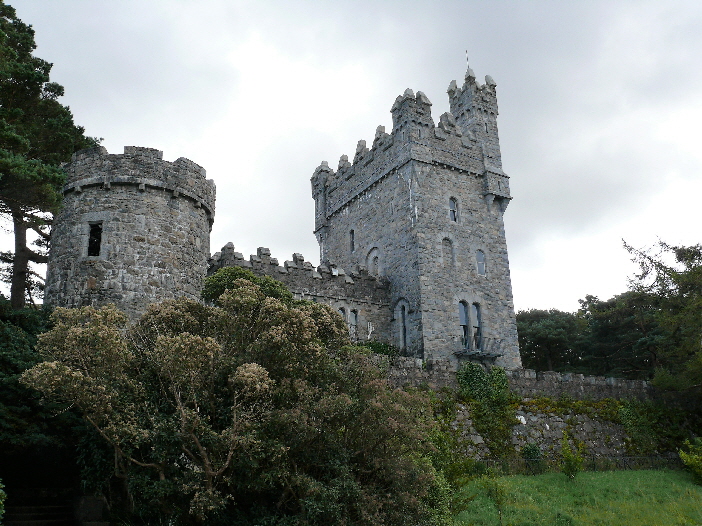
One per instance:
(352, 240)
(453, 209)
(94, 239)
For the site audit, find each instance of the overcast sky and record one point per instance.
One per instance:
(600, 110)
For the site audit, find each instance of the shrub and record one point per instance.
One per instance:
(692, 458)
(381, 348)
(491, 405)
(572, 457)
(533, 456)
(496, 490)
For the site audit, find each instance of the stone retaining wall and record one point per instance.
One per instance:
(525, 382)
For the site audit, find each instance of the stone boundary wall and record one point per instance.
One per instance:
(358, 291)
(527, 383)
(600, 437)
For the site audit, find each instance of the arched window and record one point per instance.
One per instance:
(342, 311)
(477, 327)
(352, 240)
(373, 262)
(453, 209)
(447, 252)
(464, 317)
(353, 325)
(480, 260)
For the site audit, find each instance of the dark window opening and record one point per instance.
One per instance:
(95, 239)
(464, 317)
(453, 209)
(352, 240)
(403, 331)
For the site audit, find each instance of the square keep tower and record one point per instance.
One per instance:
(423, 207)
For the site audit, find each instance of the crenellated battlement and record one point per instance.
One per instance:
(363, 299)
(464, 140)
(302, 277)
(143, 168)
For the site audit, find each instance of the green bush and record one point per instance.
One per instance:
(381, 348)
(491, 403)
(692, 458)
(225, 278)
(571, 457)
(533, 456)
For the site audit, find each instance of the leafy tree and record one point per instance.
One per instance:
(549, 339)
(673, 275)
(249, 412)
(34, 437)
(623, 335)
(37, 134)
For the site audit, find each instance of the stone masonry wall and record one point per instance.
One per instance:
(154, 219)
(527, 383)
(354, 292)
(601, 438)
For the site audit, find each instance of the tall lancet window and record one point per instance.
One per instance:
(453, 209)
(464, 317)
(477, 327)
(480, 260)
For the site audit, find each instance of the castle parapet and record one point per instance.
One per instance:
(143, 168)
(465, 140)
(364, 300)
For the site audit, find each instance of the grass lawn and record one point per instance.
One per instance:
(641, 498)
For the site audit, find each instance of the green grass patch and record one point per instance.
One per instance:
(641, 498)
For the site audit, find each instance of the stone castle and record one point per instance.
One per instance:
(411, 233)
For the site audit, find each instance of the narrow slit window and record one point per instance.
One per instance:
(453, 209)
(352, 240)
(480, 260)
(403, 328)
(353, 325)
(94, 239)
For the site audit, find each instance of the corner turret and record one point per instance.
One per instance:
(411, 116)
(474, 107)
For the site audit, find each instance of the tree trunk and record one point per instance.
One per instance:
(20, 264)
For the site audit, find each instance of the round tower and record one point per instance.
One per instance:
(134, 229)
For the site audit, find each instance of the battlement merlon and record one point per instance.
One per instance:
(143, 168)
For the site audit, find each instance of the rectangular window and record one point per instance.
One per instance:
(95, 239)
